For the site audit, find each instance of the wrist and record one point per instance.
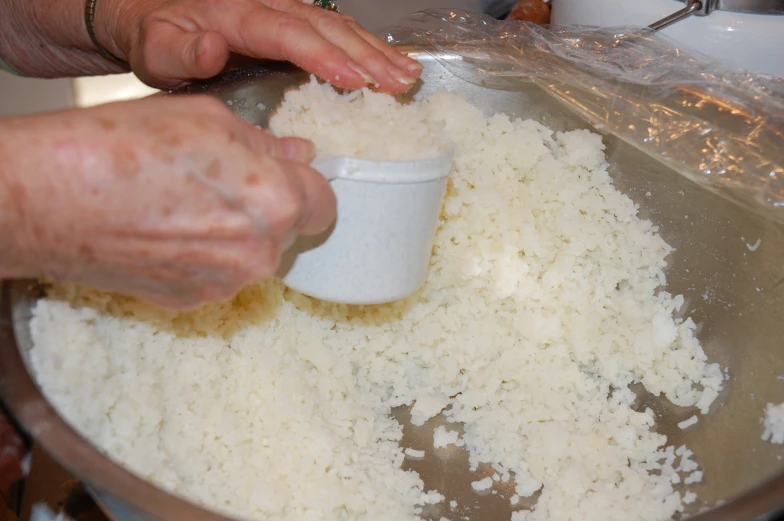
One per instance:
(44, 160)
(49, 38)
(54, 167)
(116, 24)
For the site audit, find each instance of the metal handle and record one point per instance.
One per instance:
(706, 7)
(766, 7)
(693, 7)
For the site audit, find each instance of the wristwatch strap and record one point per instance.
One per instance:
(89, 20)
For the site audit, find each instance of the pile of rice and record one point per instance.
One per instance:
(543, 304)
(362, 124)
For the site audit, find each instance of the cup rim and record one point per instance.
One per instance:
(386, 172)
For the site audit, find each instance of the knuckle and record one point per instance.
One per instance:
(350, 21)
(265, 259)
(329, 21)
(370, 55)
(152, 35)
(290, 203)
(265, 143)
(332, 58)
(210, 104)
(202, 108)
(147, 30)
(291, 27)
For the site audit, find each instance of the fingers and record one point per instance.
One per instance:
(295, 149)
(298, 149)
(388, 75)
(182, 45)
(290, 198)
(258, 140)
(395, 56)
(174, 55)
(181, 275)
(270, 177)
(320, 207)
(288, 195)
(267, 33)
(392, 71)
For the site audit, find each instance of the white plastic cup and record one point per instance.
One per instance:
(379, 248)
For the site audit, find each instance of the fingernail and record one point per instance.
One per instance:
(362, 72)
(416, 66)
(401, 78)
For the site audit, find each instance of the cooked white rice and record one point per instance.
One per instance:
(361, 124)
(542, 306)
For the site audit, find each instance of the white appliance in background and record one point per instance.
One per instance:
(740, 40)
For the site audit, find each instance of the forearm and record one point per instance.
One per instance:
(48, 192)
(14, 254)
(40, 159)
(49, 38)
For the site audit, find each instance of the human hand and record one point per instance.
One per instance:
(175, 200)
(171, 41)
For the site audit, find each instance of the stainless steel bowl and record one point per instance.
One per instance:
(736, 297)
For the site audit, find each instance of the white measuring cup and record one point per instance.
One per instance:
(379, 248)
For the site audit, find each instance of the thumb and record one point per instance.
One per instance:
(172, 55)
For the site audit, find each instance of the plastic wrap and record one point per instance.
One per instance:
(721, 128)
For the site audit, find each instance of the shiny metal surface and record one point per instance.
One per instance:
(769, 7)
(746, 41)
(735, 295)
(692, 7)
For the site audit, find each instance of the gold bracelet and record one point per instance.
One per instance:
(89, 20)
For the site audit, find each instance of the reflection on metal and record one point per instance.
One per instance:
(706, 7)
(693, 7)
(767, 7)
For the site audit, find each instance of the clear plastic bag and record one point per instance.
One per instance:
(721, 128)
